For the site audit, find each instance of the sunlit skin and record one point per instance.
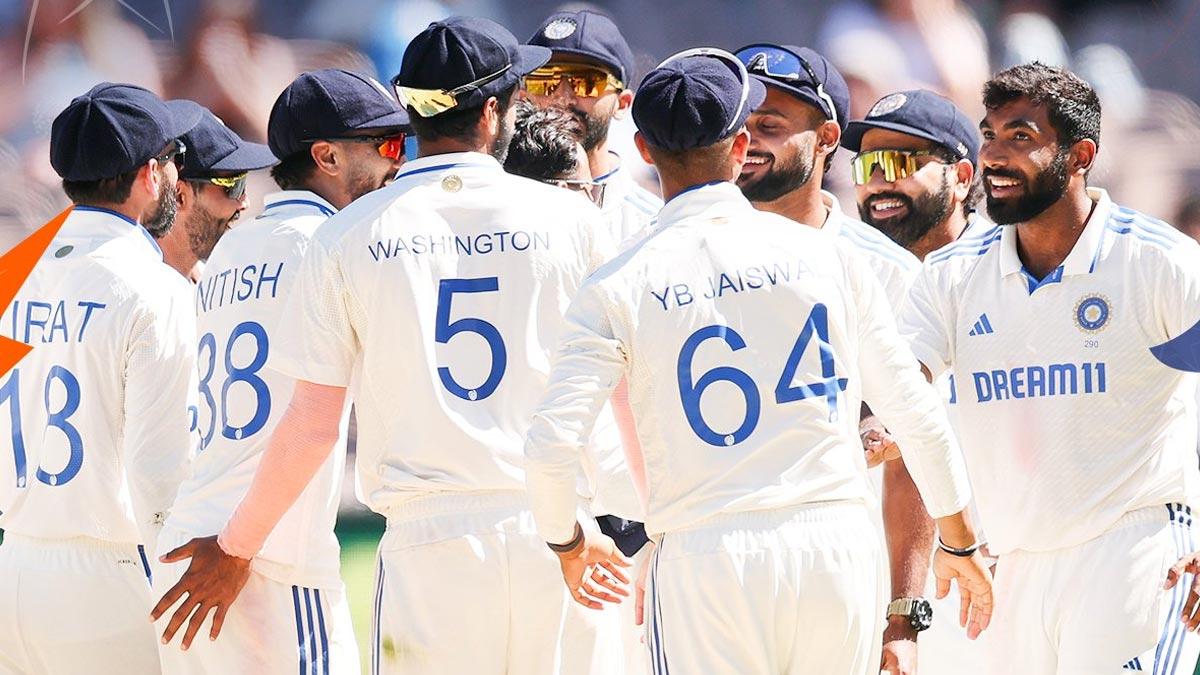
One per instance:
(890, 205)
(785, 135)
(347, 170)
(1019, 145)
(591, 110)
(205, 214)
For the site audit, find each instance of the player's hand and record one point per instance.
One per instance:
(878, 444)
(595, 571)
(212, 581)
(1188, 564)
(899, 648)
(974, 588)
(639, 586)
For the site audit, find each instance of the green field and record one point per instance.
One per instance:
(359, 536)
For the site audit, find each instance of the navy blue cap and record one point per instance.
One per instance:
(590, 35)
(213, 148)
(781, 66)
(694, 101)
(114, 129)
(463, 49)
(923, 114)
(329, 103)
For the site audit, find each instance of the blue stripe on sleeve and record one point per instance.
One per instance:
(299, 631)
(1181, 352)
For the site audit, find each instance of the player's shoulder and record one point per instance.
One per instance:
(965, 252)
(1150, 239)
(877, 246)
(641, 200)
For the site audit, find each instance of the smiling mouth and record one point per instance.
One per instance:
(886, 208)
(1001, 186)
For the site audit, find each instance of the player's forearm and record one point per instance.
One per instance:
(583, 377)
(298, 447)
(909, 531)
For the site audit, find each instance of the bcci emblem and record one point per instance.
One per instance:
(560, 28)
(888, 104)
(1092, 313)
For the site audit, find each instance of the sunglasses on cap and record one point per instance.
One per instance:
(787, 67)
(176, 152)
(390, 146)
(584, 81)
(590, 189)
(896, 164)
(739, 68)
(234, 186)
(430, 102)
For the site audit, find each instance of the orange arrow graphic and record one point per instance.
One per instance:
(15, 267)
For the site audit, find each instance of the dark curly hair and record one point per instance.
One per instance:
(544, 142)
(1071, 103)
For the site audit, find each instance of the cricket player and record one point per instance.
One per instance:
(742, 337)
(915, 181)
(547, 145)
(212, 195)
(793, 137)
(97, 413)
(434, 303)
(340, 135)
(1070, 329)
(591, 73)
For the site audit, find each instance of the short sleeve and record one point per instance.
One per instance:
(1178, 308)
(925, 322)
(317, 341)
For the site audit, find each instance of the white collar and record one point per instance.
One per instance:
(101, 224)
(297, 199)
(447, 160)
(1082, 256)
(699, 198)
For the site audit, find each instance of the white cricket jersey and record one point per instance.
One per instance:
(239, 301)
(1072, 401)
(629, 207)
(438, 300)
(98, 413)
(894, 265)
(743, 337)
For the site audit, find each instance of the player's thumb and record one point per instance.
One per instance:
(182, 553)
(943, 587)
(1173, 575)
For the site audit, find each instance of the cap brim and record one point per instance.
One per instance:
(852, 137)
(247, 157)
(184, 116)
(398, 119)
(615, 67)
(530, 58)
(755, 98)
(806, 94)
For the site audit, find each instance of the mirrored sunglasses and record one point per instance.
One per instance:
(896, 164)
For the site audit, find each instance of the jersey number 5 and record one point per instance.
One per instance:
(10, 392)
(446, 329)
(816, 327)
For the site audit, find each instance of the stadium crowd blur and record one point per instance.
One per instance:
(234, 56)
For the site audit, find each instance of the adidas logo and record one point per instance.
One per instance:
(982, 326)
(1135, 664)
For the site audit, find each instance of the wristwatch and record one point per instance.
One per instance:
(918, 611)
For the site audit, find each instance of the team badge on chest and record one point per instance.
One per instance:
(1092, 313)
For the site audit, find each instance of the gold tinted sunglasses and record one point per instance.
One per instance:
(584, 81)
(430, 102)
(896, 164)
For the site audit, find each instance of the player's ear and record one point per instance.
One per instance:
(829, 136)
(186, 193)
(642, 149)
(325, 157)
(624, 101)
(739, 150)
(489, 120)
(964, 175)
(1083, 155)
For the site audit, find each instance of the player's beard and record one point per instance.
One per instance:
(159, 222)
(204, 230)
(784, 176)
(1040, 194)
(365, 178)
(924, 213)
(595, 127)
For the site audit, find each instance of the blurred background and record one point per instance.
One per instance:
(235, 56)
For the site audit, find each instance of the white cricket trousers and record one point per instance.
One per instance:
(272, 627)
(799, 591)
(75, 606)
(1098, 608)
(465, 585)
